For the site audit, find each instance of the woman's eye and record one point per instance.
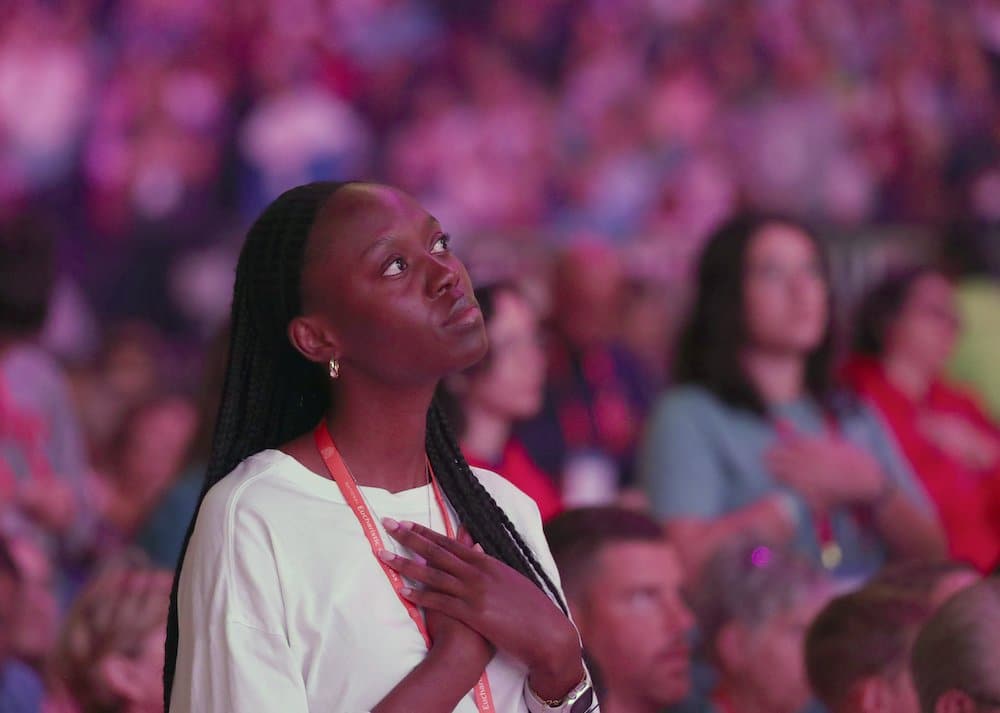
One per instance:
(441, 244)
(394, 268)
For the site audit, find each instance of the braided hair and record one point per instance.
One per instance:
(271, 393)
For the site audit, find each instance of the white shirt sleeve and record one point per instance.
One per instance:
(234, 652)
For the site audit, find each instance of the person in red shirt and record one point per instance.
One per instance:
(508, 385)
(906, 331)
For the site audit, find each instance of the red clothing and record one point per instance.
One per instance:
(968, 500)
(516, 466)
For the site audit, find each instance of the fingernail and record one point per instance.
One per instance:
(386, 556)
(406, 591)
(390, 524)
(478, 547)
(406, 525)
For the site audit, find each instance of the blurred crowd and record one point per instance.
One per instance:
(761, 498)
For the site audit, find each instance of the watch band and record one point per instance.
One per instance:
(579, 700)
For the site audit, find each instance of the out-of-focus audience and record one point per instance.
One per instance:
(614, 141)
(623, 581)
(42, 458)
(956, 660)
(754, 603)
(21, 689)
(906, 332)
(858, 651)
(110, 654)
(596, 395)
(756, 438)
(485, 401)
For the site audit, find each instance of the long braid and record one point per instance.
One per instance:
(270, 393)
(485, 520)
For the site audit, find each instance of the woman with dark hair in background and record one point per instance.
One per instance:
(348, 310)
(906, 332)
(484, 401)
(755, 438)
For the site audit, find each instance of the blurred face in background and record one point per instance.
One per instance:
(927, 325)
(634, 624)
(784, 291)
(155, 443)
(588, 298)
(767, 659)
(510, 385)
(34, 623)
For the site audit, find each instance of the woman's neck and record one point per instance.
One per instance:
(906, 375)
(380, 431)
(778, 377)
(486, 433)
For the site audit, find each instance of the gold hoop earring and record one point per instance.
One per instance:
(334, 368)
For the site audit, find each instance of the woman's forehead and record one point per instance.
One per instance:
(359, 214)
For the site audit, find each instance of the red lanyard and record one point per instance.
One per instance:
(352, 494)
(830, 552)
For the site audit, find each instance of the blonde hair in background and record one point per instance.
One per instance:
(115, 613)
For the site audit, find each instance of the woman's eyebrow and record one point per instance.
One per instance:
(377, 244)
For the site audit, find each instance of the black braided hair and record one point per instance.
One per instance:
(272, 394)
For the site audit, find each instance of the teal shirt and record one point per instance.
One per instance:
(703, 458)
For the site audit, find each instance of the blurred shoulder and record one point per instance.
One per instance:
(690, 401)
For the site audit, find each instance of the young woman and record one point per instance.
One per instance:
(755, 439)
(906, 332)
(319, 574)
(486, 400)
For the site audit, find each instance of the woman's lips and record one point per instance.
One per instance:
(465, 310)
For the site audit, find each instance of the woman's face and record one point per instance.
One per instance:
(784, 291)
(383, 292)
(927, 326)
(511, 384)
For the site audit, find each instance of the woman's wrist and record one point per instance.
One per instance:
(558, 670)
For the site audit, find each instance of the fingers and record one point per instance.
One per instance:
(436, 579)
(445, 603)
(440, 551)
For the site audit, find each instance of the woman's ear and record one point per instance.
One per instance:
(314, 339)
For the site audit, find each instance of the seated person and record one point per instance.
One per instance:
(110, 656)
(486, 400)
(597, 394)
(956, 658)
(622, 581)
(906, 331)
(753, 604)
(20, 688)
(756, 440)
(858, 651)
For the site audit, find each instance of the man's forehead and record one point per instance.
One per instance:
(637, 555)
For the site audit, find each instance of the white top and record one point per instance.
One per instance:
(284, 608)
